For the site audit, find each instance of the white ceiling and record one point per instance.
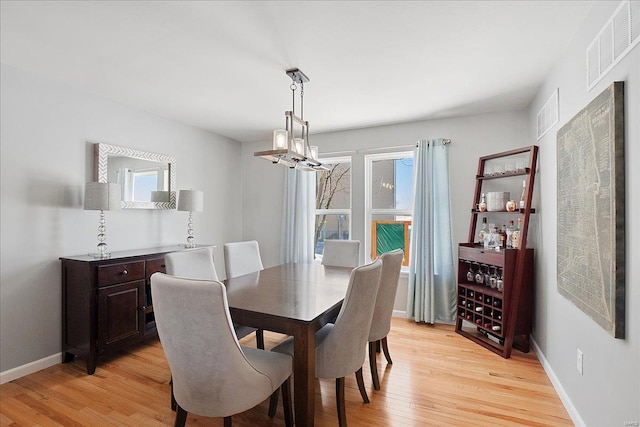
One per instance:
(221, 65)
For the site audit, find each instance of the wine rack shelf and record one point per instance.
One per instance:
(495, 288)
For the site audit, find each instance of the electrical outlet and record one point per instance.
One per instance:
(579, 362)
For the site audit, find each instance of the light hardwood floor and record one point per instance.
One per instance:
(438, 378)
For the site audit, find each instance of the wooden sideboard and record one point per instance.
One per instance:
(106, 303)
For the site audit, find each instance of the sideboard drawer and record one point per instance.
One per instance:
(120, 273)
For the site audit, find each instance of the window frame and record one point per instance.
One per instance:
(339, 211)
(368, 202)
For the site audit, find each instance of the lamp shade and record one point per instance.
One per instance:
(191, 200)
(159, 196)
(101, 196)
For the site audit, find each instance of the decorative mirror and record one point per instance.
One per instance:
(147, 180)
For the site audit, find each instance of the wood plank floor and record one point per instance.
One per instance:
(438, 378)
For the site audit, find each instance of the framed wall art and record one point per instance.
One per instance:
(590, 238)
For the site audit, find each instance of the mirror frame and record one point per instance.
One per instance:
(102, 152)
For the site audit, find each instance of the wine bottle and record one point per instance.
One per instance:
(496, 328)
(484, 230)
(478, 309)
(509, 232)
(515, 235)
(522, 197)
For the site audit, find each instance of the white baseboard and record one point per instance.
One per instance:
(30, 368)
(564, 397)
(399, 313)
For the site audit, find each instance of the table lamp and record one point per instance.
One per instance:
(101, 196)
(191, 201)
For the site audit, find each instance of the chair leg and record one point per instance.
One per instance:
(378, 346)
(342, 414)
(260, 339)
(360, 381)
(385, 348)
(227, 421)
(273, 403)
(181, 417)
(373, 365)
(174, 404)
(286, 402)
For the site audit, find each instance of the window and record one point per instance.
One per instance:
(333, 203)
(147, 180)
(389, 202)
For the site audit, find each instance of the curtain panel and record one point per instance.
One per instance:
(298, 216)
(431, 287)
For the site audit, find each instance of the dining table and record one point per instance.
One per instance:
(296, 299)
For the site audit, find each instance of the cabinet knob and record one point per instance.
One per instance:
(125, 272)
(144, 307)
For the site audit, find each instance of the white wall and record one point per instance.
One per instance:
(46, 157)
(471, 137)
(608, 394)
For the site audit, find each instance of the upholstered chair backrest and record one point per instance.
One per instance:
(191, 264)
(242, 258)
(343, 351)
(341, 253)
(381, 322)
(206, 361)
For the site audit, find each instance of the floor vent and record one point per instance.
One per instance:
(619, 35)
(548, 115)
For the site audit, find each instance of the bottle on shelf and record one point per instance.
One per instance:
(515, 236)
(509, 231)
(482, 206)
(479, 309)
(484, 230)
(496, 328)
(523, 196)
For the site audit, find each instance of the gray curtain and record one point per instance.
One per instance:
(432, 289)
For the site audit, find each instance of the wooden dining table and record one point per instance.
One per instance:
(295, 299)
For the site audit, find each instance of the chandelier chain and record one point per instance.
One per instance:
(302, 100)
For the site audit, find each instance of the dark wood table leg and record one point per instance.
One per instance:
(304, 369)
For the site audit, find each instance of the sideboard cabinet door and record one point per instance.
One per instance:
(120, 314)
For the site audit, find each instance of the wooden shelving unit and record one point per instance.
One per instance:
(498, 318)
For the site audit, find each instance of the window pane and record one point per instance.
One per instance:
(330, 226)
(390, 232)
(392, 183)
(143, 184)
(333, 190)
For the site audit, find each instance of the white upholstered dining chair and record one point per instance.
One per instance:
(213, 376)
(242, 258)
(198, 264)
(381, 322)
(341, 253)
(340, 347)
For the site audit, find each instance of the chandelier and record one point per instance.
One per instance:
(291, 148)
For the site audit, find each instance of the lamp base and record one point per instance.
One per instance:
(188, 245)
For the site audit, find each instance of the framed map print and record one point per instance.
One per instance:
(591, 210)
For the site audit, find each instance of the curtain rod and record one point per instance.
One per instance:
(370, 150)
